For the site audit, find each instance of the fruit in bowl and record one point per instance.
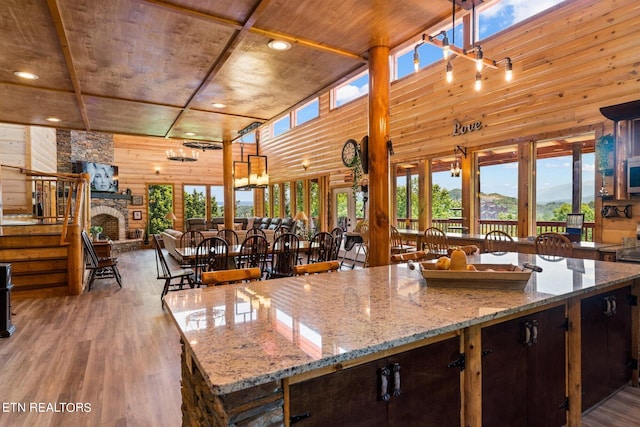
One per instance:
(443, 263)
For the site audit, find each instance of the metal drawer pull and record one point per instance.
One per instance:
(534, 332)
(384, 384)
(396, 379)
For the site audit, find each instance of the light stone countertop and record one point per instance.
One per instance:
(249, 334)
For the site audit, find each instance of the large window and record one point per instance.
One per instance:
(352, 89)
(244, 203)
(309, 111)
(281, 125)
(276, 200)
(216, 193)
(299, 197)
(267, 203)
(195, 201)
(446, 194)
(286, 199)
(407, 208)
(160, 198)
(506, 13)
(314, 198)
(498, 169)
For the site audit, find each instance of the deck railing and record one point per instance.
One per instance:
(508, 226)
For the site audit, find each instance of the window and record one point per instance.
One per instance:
(195, 201)
(314, 198)
(286, 199)
(446, 194)
(498, 192)
(244, 203)
(276, 200)
(216, 193)
(281, 125)
(160, 198)
(309, 111)
(267, 203)
(299, 197)
(406, 197)
(504, 14)
(354, 88)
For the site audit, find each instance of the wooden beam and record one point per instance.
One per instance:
(379, 87)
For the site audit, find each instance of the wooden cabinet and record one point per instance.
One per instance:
(523, 371)
(367, 395)
(606, 344)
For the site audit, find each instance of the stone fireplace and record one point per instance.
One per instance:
(111, 215)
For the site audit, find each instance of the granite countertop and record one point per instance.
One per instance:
(249, 334)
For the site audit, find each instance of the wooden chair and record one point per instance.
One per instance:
(553, 246)
(285, 256)
(409, 256)
(253, 253)
(497, 241)
(166, 274)
(397, 246)
(226, 277)
(255, 232)
(435, 241)
(321, 247)
(337, 234)
(364, 232)
(316, 267)
(211, 254)
(100, 268)
(190, 239)
(229, 235)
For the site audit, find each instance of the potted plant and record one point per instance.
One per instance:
(604, 147)
(96, 232)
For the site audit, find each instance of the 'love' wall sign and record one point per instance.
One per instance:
(460, 129)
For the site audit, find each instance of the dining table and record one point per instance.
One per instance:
(188, 254)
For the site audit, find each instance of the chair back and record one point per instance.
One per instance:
(363, 229)
(435, 241)
(90, 257)
(229, 235)
(337, 234)
(498, 241)
(321, 247)
(316, 267)
(212, 254)
(162, 268)
(253, 252)
(225, 277)
(553, 245)
(409, 256)
(191, 239)
(285, 255)
(255, 232)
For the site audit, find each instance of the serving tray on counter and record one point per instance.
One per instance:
(503, 276)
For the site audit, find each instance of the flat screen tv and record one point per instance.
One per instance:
(103, 177)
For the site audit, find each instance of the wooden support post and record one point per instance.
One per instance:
(472, 400)
(574, 362)
(227, 176)
(526, 191)
(379, 232)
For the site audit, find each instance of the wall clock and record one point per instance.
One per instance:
(350, 152)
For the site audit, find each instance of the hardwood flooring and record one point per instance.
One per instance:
(116, 353)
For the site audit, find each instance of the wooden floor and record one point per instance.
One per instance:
(116, 352)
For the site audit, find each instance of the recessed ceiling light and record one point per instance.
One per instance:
(218, 105)
(53, 119)
(26, 75)
(190, 133)
(279, 45)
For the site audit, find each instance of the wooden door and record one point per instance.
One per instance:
(606, 345)
(345, 398)
(429, 391)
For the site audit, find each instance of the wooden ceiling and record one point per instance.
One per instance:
(154, 68)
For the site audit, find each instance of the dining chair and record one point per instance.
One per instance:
(397, 246)
(316, 267)
(229, 235)
(253, 253)
(337, 233)
(553, 246)
(100, 268)
(190, 239)
(363, 230)
(321, 247)
(226, 277)
(166, 274)
(435, 241)
(497, 241)
(285, 256)
(212, 254)
(255, 232)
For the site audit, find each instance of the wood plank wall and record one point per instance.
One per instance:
(568, 63)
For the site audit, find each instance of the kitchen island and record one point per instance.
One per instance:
(379, 347)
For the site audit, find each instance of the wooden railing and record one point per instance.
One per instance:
(509, 227)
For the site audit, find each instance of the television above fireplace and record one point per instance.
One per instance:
(103, 177)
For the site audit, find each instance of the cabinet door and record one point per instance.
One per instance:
(606, 345)
(523, 376)
(430, 391)
(344, 398)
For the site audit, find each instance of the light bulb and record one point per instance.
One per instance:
(478, 81)
(416, 60)
(445, 46)
(508, 73)
(479, 59)
(449, 72)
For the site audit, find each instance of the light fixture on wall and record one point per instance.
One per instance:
(305, 164)
(455, 165)
(450, 51)
(181, 155)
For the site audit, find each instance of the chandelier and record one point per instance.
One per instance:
(450, 51)
(250, 174)
(181, 155)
